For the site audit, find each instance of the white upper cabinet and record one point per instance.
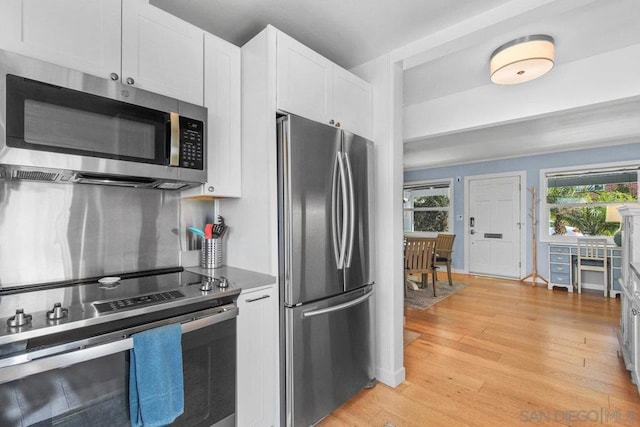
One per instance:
(303, 80)
(79, 34)
(222, 99)
(161, 53)
(352, 103)
(311, 86)
(126, 40)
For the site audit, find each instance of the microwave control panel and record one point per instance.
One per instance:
(191, 143)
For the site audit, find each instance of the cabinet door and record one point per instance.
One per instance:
(222, 99)
(352, 102)
(162, 53)
(79, 34)
(257, 361)
(303, 80)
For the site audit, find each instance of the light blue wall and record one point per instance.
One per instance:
(532, 166)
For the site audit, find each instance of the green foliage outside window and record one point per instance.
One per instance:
(589, 220)
(436, 221)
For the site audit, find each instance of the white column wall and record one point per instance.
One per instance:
(386, 80)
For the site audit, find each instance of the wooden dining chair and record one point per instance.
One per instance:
(444, 249)
(418, 259)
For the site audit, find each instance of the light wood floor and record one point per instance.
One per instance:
(500, 353)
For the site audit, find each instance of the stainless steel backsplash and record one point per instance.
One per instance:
(51, 232)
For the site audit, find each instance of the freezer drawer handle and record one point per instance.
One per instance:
(337, 307)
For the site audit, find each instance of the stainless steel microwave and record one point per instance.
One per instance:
(61, 125)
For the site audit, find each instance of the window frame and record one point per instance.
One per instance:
(450, 218)
(543, 224)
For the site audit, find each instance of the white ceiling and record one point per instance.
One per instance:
(581, 32)
(351, 32)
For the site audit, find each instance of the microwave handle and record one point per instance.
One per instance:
(174, 139)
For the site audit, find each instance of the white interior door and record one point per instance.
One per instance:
(494, 226)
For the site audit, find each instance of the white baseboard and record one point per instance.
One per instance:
(392, 379)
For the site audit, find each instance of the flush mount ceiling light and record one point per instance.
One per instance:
(522, 59)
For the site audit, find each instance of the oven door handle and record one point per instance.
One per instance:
(23, 366)
(15, 372)
(193, 325)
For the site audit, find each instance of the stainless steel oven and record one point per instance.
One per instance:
(73, 372)
(61, 125)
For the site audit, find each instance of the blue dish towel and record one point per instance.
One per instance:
(156, 386)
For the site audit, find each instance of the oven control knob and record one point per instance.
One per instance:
(207, 284)
(223, 283)
(57, 312)
(19, 319)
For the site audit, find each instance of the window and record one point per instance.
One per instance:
(584, 202)
(428, 208)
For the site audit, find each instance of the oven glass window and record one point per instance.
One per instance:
(95, 392)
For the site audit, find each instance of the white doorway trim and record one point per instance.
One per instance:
(523, 215)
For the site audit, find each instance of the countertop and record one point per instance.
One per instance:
(238, 277)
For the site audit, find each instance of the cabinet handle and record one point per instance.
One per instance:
(210, 188)
(634, 311)
(130, 81)
(114, 76)
(331, 121)
(338, 124)
(257, 299)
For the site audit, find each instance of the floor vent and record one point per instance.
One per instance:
(35, 175)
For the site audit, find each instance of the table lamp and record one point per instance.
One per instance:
(614, 216)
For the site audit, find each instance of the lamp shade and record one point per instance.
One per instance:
(613, 215)
(522, 59)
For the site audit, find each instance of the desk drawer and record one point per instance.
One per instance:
(559, 249)
(560, 258)
(560, 268)
(560, 278)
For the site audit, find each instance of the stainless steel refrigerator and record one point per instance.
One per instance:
(325, 273)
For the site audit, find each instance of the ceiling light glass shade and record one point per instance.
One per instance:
(522, 59)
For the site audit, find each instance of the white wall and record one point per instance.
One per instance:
(386, 80)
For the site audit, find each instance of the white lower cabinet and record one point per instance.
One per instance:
(257, 357)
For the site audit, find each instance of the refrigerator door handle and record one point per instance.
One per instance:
(352, 212)
(338, 307)
(345, 219)
(334, 208)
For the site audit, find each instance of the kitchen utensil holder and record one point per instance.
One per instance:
(211, 253)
